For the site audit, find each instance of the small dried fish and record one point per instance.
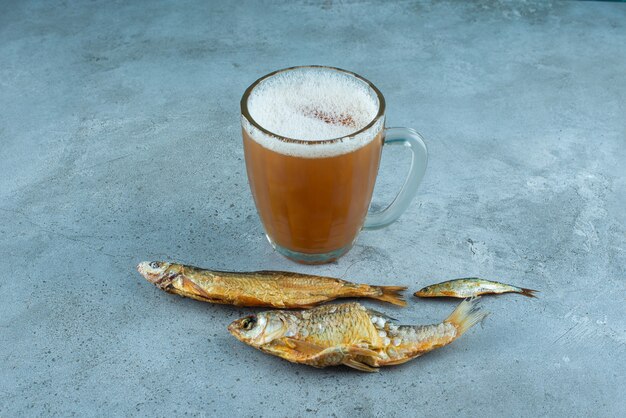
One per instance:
(277, 289)
(349, 334)
(469, 287)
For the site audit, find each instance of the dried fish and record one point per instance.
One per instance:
(469, 287)
(277, 289)
(349, 334)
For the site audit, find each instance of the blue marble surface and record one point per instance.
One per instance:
(120, 142)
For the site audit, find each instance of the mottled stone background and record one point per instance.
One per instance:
(120, 141)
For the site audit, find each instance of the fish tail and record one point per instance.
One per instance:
(466, 315)
(528, 292)
(390, 294)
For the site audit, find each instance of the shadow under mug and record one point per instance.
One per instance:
(313, 202)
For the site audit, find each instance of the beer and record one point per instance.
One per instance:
(312, 141)
(312, 205)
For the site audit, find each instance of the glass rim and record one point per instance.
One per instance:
(246, 114)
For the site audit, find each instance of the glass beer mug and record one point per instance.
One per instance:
(313, 138)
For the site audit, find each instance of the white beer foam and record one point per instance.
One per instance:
(312, 104)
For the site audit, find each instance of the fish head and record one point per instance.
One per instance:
(153, 271)
(425, 291)
(261, 329)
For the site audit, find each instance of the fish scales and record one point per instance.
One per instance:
(328, 324)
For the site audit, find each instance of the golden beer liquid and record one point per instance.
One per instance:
(312, 205)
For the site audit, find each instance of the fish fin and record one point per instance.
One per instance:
(303, 346)
(194, 290)
(355, 364)
(287, 342)
(399, 361)
(190, 285)
(382, 315)
(466, 315)
(361, 351)
(528, 292)
(391, 294)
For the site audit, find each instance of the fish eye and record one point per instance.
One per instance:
(154, 264)
(248, 323)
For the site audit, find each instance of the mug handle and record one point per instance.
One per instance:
(419, 158)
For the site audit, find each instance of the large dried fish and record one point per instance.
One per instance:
(277, 289)
(349, 334)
